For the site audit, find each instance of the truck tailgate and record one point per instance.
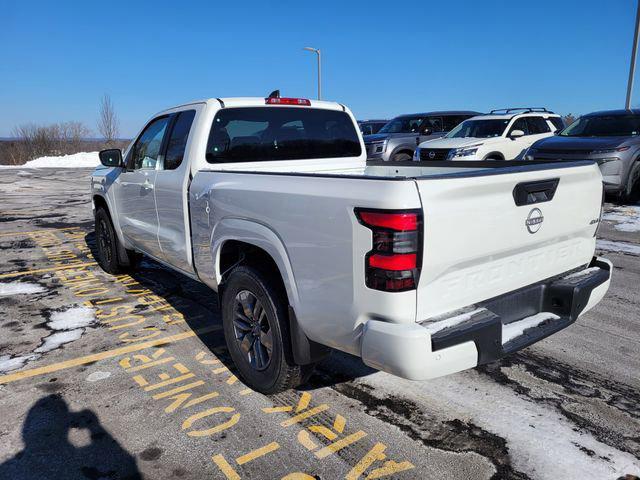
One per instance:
(478, 243)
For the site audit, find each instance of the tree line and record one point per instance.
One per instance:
(63, 138)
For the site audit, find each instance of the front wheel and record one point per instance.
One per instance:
(108, 245)
(401, 157)
(254, 318)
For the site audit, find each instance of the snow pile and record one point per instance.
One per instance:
(515, 329)
(618, 247)
(450, 322)
(19, 288)
(76, 160)
(541, 442)
(68, 326)
(626, 218)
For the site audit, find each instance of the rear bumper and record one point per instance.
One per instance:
(487, 331)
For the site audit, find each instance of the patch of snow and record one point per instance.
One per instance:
(8, 363)
(626, 218)
(97, 376)
(582, 273)
(76, 160)
(541, 442)
(19, 288)
(618, 247)
(75, 317)
(450, 322)
(515, 329)
(57, 339)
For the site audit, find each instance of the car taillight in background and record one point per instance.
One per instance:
(287, 101)
(393, 265)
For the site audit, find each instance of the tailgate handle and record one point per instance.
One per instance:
(528, 193)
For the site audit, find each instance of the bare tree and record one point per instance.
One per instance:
(108, 120)
(568, 119)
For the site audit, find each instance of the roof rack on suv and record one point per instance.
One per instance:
(506, 111)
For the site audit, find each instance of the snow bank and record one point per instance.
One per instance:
(76, 160)
(18, 288)
(618, 247)
(626, 218)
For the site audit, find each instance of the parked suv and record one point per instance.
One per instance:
(369, 127)
(503, 134)
(612, 138)
(397, 140)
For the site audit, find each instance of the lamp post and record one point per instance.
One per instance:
(317, 52)
(632, 66)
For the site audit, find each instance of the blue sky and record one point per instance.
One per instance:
(379, 58)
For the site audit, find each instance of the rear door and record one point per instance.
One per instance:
(171, 184)
(478, 243)
(135, 199)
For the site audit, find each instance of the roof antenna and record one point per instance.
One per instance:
(274, 94)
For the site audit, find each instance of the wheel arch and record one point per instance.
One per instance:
(499, 155)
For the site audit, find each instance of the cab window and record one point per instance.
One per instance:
(178, 139)
(146, 150)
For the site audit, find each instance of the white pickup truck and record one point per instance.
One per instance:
(421, 271)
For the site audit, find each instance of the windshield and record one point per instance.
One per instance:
(479, 129)
(604, 126)
(403, 125)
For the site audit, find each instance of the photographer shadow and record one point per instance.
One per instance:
(61, 444)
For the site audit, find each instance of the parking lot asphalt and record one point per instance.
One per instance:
(128, 377)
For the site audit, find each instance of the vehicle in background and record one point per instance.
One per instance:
(397, 140)
(503, 134)
(271, 203)
(612, 138)
(369, 127)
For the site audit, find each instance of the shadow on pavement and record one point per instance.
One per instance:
(199, 306)
(49, 433)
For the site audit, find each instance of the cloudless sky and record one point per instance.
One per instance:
(379, 58)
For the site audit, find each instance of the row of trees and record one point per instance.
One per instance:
(63, 138)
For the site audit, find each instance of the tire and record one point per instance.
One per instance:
(255, 322)
(401, 157)
(108, 246)
(631, 192)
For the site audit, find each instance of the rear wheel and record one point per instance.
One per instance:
(108, 246)
(254, 317)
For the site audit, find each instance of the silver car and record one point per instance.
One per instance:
(397, 140)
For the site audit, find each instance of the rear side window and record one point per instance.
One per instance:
(556, 122)
(537, 125)
(257, 134)
(178, 139)
(452, 121)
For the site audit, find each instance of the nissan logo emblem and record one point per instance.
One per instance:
(432, 154)
(534, 220)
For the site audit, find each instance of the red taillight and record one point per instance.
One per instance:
(287, 101)
(393, 263)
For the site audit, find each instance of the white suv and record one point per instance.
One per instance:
(500, 135)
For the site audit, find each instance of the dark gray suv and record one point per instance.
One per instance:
(612, 138)
(397, 140)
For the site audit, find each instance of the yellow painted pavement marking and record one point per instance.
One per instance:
(44, 270)
(74, 362)
(259, 452)
(44, 230)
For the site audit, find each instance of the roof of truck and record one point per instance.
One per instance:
(621, 111)
(257, 101)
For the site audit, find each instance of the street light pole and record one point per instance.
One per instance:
(317, 52)
(632, 66)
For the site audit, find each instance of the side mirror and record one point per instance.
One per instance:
(516, 134)
(111, 157)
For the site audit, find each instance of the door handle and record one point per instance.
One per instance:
(528, 193)
(147, 185)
